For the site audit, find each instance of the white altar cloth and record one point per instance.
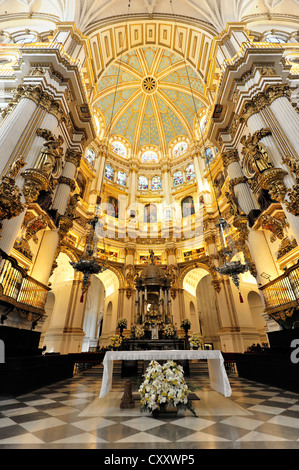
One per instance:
(217, 373)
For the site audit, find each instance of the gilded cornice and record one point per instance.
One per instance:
(265, 98)
(230, 156)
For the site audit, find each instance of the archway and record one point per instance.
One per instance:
(257, 309)
(199, 291)
(94, 312)
(111, 285)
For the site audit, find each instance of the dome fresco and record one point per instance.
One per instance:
(150, 96)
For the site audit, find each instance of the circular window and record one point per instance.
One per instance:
(149, 84)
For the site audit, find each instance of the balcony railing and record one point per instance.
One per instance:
(18, 288)
(282, 291)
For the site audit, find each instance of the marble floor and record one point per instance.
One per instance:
(69, 415)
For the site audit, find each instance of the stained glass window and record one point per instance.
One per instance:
(142, 183)
(91, 156)
(109, 172)
(274, 39)
(179, 149)
(149, 157)
(156, 183)
(119, 148)
(121, 178)
(208, 155)
(190, 172)
(178, 178)
(203, 122)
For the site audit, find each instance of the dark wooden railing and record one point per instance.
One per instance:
(282, 291)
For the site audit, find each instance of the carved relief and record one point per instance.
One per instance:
(10, 195)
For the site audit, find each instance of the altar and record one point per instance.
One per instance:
(217, 373)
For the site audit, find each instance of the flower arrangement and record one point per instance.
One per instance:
(138, 331)
(169, 331)
(164, 385)
(115, 342)
(122, 323)
(186, 324)
(195, 341)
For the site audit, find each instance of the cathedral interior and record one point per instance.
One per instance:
(149, 173)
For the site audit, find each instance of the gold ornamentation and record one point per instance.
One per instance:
(286, 246)
(229, 157)
(67, 181)
(256, 158)
(272, 180)
(73, 157)
(276, 224)
(264, 99)
(10, 196)
(35, 181)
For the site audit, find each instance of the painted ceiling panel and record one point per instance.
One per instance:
(150, 106)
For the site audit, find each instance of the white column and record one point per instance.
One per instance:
(45, 257)
(288, 119)
(12, 128)
(255, 123)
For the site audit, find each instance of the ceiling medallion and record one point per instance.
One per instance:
(149, 84)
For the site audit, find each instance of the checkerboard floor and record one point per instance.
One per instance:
(53, 418)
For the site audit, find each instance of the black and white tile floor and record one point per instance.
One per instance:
(53, 418)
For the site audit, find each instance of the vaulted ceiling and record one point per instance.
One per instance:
(150, 96)
(87, 12)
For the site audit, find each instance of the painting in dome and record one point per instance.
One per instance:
(150, 214)
(178, 178)
(190, 172)
(142, 183)
(187, 207)
(112, 207)
(149, 157)
(121, 178)
(109, 172)
(179, 149)
(119, 148)
(156, 183)
(90, 156)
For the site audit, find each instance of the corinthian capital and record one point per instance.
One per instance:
(229, 157)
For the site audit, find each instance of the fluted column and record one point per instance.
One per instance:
(45, 257)
(238, 182)
(10, 133)
(255, 123)
(67, 180)
(288, 119)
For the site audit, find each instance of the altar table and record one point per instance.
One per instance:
(217, 373)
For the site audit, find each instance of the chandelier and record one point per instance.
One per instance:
(88, 264)
(227, 267)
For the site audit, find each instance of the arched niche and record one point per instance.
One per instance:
(112, 282)
(256, 307)
(94, 312)
(199, 291)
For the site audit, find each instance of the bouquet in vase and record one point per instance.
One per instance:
(164, 385)
(195, 342)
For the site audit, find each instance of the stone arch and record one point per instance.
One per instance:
(189, 268)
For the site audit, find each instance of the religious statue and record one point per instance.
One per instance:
(15, 168)
(152, 256)
(51, 156)
(257, 156)
(234, 206)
